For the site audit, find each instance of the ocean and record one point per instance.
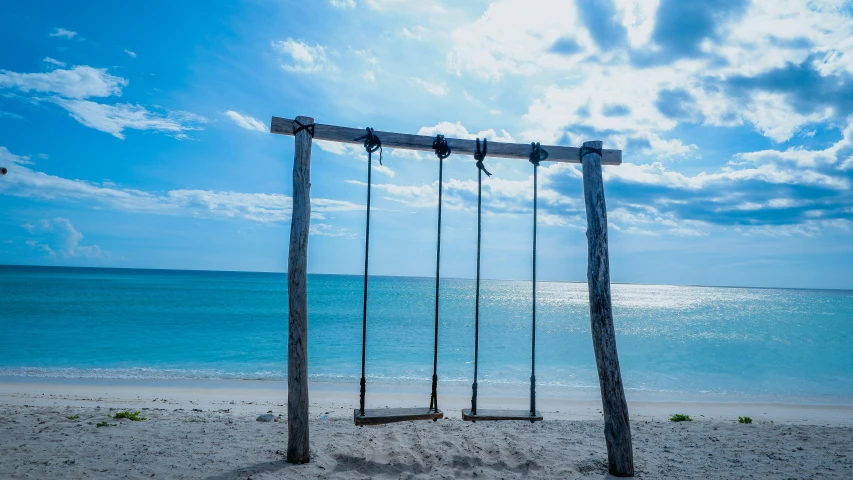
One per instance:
(728, 343)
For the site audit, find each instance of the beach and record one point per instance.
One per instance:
(209, 429)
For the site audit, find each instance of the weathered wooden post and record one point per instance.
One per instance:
(617, 429)
(297, 295)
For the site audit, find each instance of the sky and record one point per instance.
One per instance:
(138, 136)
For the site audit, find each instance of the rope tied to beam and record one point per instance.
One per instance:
(538, 154)
(371, 143)
(308, 128)
(585, 150)
(442, 151)
(479, 156)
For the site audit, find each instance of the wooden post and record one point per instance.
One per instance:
(617, 429)
(297, 295)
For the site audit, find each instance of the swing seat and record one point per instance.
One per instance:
(484, 414)
(379, 416)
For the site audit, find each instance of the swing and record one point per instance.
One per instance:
(378, 416)
(473, 414)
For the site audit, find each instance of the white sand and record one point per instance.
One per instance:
(208, 430)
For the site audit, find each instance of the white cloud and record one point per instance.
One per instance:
(515, 37)
(24, 182)
(343, 3)
(657, 174)
(7, 156)
(415, 33)
(61, 32)
(638, 18)
(545, 38)
(304, 58)
(358, 152)
(247, 122)
(648, 220)
(78, 82)
(804, 158)
(457, 130)
(114, 119)
(53, 61)
(774, 118)
(432, 88)
(58, 237)
(432, 6)
(326, 230)
(10, 115)
(129, 53)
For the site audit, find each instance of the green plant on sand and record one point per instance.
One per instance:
(680, 417)
(105, 424)
(73, 417)
(133, 416)
(744, 420)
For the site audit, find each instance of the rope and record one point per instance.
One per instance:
(442, 151)
(479, 156)
(585, 150)
(371, 144)
(536, 155)
(308, 128)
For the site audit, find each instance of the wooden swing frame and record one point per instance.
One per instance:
(617, 430)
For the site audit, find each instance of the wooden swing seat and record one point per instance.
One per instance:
(379, 416)
(488, 414)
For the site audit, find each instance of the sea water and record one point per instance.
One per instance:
(117, 323)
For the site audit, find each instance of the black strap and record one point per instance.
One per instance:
(442, 151)
(585, 150)
(308, 128)
(537, 154)
(481, 155)
(371, 144)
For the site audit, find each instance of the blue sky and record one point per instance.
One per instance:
(137, 137)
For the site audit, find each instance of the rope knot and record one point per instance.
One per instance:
(308, 128)
(537, 154)
(480, 155)
(371, 143)
(585, 150)
(442, 149)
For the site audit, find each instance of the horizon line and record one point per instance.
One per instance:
(416, 276)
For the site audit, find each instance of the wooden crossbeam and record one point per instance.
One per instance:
(332, 133)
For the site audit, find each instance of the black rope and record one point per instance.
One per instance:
(442, 151)
(371, 144)
(585, 150)
(308, 128)
(537, 154)
(479, 156)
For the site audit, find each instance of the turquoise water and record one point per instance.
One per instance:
(66, 322)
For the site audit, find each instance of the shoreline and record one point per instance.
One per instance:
(336, 400)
